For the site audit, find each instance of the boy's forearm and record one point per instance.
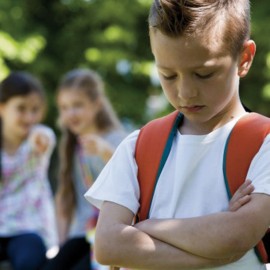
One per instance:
(134, 249)
(214, 236)
(123, 245)
(192, 236)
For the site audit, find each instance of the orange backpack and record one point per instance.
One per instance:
(154, 144)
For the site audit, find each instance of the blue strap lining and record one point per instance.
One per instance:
(224, 167)
(166, 152)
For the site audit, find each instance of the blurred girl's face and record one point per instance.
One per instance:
(20, 113)
(77, 111)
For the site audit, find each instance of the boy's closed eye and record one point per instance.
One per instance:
(204, 76)
(199, 75)
(168, 78)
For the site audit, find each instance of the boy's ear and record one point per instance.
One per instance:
(246, 58)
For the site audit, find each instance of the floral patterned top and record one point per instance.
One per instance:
(26, 201)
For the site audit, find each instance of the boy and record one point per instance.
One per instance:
(201, 49)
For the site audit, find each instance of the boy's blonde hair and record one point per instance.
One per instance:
(228, 20)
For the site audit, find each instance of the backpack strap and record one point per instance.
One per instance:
(152, 149)
(242, 145)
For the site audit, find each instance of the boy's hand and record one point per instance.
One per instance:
(241, 196)
(39, 142)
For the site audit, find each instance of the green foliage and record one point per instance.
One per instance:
(49, 38)
(24, 51)
(254, 88)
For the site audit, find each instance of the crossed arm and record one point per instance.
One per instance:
(191, 243)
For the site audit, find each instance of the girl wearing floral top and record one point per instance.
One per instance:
(27, 219)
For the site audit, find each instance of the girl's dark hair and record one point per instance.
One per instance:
(91, 84)
(16, 84)
(228, 19)
(19, 84)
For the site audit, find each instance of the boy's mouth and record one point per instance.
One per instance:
(192, 108)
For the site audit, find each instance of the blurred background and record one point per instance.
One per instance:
(51, 37)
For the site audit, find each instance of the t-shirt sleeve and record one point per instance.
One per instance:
(118, 180)
(259, 170)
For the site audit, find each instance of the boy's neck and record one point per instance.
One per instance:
(189, 128)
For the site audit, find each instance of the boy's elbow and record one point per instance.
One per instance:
(243, 242)
(104, 250)
(239, 246)
(102, 254)
(112, 234)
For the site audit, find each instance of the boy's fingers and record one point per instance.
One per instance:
(241, 196)
(240, 202)
(244, 200)
(248, 189)
(245, 185)
(244, 189)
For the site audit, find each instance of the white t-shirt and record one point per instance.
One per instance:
(191, 183)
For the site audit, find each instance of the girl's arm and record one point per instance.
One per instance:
(118, 243)
(96, 145)
(42, 140)
(218, 235)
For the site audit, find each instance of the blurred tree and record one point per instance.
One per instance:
(109, 36)
(255, 88)
(50, 37)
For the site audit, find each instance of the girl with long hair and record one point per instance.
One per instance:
(90, 133)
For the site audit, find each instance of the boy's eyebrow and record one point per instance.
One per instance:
(207, 64)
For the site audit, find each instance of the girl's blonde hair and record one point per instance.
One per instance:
(91, 84)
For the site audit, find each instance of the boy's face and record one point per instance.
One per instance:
(200, 80)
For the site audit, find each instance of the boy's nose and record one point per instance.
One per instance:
(186, 89)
